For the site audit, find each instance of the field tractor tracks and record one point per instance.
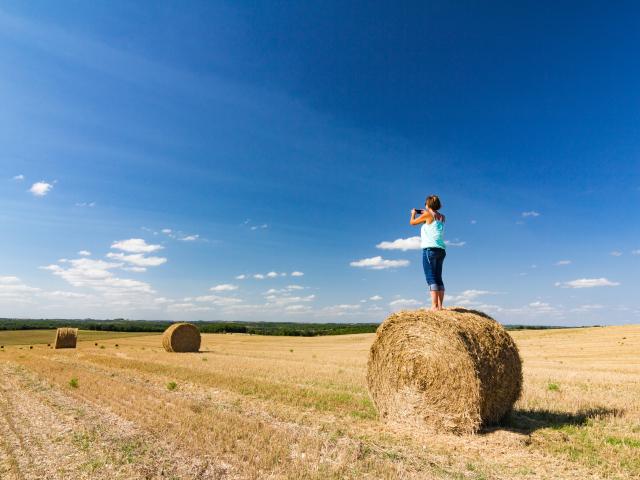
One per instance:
(47, 435)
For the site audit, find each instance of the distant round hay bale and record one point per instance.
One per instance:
(66, 338)
(181, 337)
(454, 370)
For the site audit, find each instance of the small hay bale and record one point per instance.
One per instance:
(181, 337)
(453, 370)
(66, 338)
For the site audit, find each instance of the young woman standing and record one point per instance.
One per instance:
(433, 247)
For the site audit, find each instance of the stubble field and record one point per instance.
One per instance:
(288, 407)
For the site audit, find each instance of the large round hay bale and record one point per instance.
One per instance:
(453, 370)
(66, 338)
(181, 337)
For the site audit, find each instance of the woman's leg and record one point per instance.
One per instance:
(439, 281)
(429, 273)
(434, 299)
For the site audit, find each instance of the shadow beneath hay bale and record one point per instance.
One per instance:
(528, 421)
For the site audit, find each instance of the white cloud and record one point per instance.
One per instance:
(531, 213)
(588, 307)
(166, 231)
(86, 204)
(468, 297)
(375, 298)
(241, 277)
(187, 307)
(98, 275)
(413, 243)
(405, 302)
(84, 253)
(635, 252)
(256, 227)
(224, 287)
(379, 263)
(9, 279)
(473, 222)
(135, 269)
(138, 259)
(135, 245)
(455, 243)
(538, 304)
(40, 189)
(190, 238)
(404, 244)
(12, 288)
(64, 294)
(217, 300)
(288, 289)
(533, 309)
(538, 307)
(346, 307)
(272, 274)
(616, 253)
(286, 299)
(587, 283)
(297, 308)
(18, 177)
(560, 263)
(297, 274)
(341, 309)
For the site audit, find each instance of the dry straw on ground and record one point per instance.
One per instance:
(454, 370)
(181, 337)
(66, 338)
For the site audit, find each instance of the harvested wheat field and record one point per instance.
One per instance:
(286, 407)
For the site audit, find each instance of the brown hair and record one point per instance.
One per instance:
(433, 202)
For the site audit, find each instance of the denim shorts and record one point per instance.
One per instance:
(432, 259)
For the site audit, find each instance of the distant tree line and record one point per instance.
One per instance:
(254, 328)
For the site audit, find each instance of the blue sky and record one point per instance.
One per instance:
(201, 160)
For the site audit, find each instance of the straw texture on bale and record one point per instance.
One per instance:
(453, 370)
(181, 337)
(66, 338)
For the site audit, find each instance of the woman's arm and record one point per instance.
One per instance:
(413, 220)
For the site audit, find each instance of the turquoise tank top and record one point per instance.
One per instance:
(432, 234)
